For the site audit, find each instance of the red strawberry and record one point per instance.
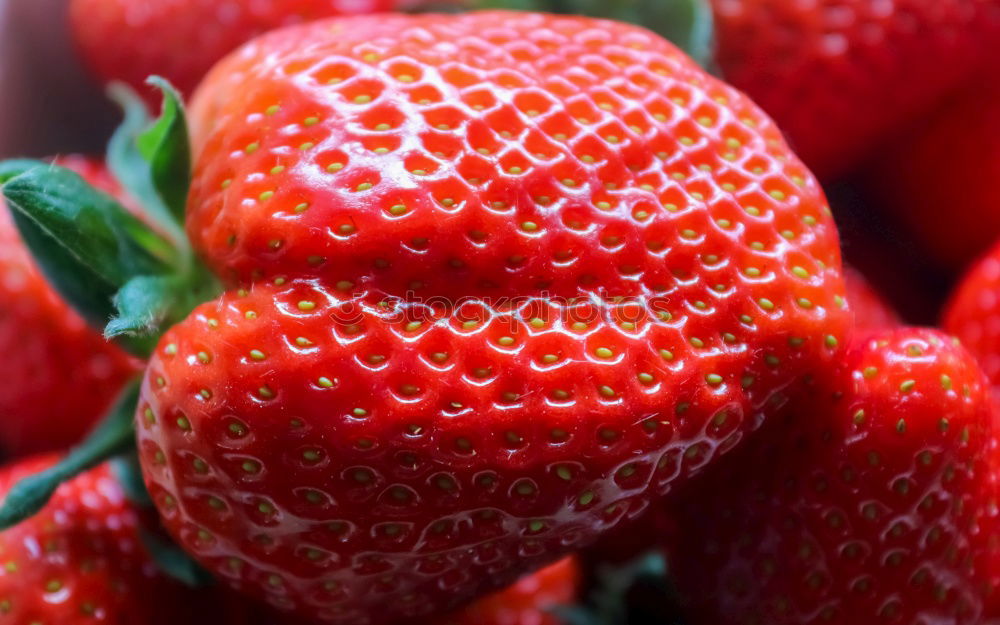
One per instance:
(181, 39)
(840, 76)
(973, 313)
(60, 374)
(873, 503)
(871, 311)
(80, 561)
(941, 182)
(497, 281)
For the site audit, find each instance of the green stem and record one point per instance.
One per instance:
(114, 435)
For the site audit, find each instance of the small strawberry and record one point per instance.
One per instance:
(80, 561)
(60, 374)
(841, 76)
(871, 311)
(941, 182)
(873, 503)
(973, 313)
(182, 39)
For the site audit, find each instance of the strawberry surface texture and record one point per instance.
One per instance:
(60, 374)
(81, 561)
(496, 281)
(873, 502)
(973, 313)
(843, 76)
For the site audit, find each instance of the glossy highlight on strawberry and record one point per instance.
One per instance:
(496, 281)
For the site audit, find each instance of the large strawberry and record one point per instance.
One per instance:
(81, 560)
(496, 282)
(941, 181)
(60, 375)
(873, 503)
(182, 39)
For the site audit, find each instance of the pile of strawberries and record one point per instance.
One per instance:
(480, 316)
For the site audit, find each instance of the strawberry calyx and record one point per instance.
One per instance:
(127, 276)
(685, 23)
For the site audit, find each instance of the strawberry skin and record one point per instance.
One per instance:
(497, 281)
(80, 560)
(840, 76)
(871, 311)
(973, 313)
(875, 502)
(61, 374)
(181, 39)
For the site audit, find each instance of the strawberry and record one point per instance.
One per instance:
(81, 561)
(496, 281)
(61, 374)
(182, 39)
(842, 76)
(874, 502)
(941, 181)
(973, 313)
(871, 311)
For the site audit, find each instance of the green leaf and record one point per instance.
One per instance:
(112, 436)
(173, 561)
(167, 148)
(129, 474)
(87, 245)
(142, 305)
(130, 167)
(16, 167)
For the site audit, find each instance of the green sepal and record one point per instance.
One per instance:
(130, 167)
(85, 242)
(17, 166)
(129, 475)
(607, 602)
(114, 435)
(142, 305)
(167, 148)
(686, 23)
(174, 562)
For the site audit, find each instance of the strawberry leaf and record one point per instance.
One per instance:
(130, 167)
(142, 305)
(112, 436)
(87, 245)
(167, 148)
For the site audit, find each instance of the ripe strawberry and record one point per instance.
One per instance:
(613, 263)
(841, 76)
(871, 504)
(80, 561)
(941, 182)
(871, 311)
(181, 39)
(973, 313)
(60, 374)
